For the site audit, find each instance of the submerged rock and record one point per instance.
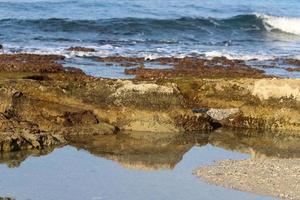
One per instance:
(83, 49)
(1, 48)
(295, 69)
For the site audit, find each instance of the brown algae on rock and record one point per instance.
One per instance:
(63, 102)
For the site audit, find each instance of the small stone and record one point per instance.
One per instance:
(221, 114)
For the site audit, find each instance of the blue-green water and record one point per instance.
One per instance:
(135, 166)
(69, 174)
(240, 29)
(123, 169)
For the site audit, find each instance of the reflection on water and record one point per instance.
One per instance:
(145, 151)
(135, 166)
(257, 144)
(15, 159)
(149, 151)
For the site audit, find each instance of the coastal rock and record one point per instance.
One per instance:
(196, 122)
(264, 104)
(142, 88)
(82, 49)
(74, 70)
(277, 88)
(97, 129)
(63, 120)
(80, 118)
(24, 140)
(19, 135)
(296, 69)
(218, 67)
(121, 59)
(147, 95)
(69, 103)
(221, 114)
(30, 63)
(292, 61)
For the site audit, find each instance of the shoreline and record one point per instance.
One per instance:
(45, 104)
(149, 100)
(268, 176)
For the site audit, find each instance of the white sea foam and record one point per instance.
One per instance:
(231, 56)
(108, 50)
(285, 24)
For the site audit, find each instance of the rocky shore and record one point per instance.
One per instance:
(43, 103)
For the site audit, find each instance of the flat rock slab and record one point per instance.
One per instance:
(272, 176)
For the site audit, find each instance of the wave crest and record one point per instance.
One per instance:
(149, 26)
(284, 24)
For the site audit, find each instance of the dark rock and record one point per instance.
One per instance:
(30, 63)
(121, 59)
(296, 69)
(37, 77)
(191, 123)
(80, 118)
(83, 49)
(292, 61)
(218, 67)
(74, 70)
(19, 135)
(200, 110)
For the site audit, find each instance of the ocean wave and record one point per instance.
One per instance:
(148, 26)
(284, 24)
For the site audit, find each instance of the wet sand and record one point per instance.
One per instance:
(268, 176)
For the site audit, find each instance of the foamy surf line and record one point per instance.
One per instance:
(148, 56)
(284, 24)
(108, 51)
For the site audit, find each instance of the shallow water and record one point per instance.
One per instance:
(135, 166)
